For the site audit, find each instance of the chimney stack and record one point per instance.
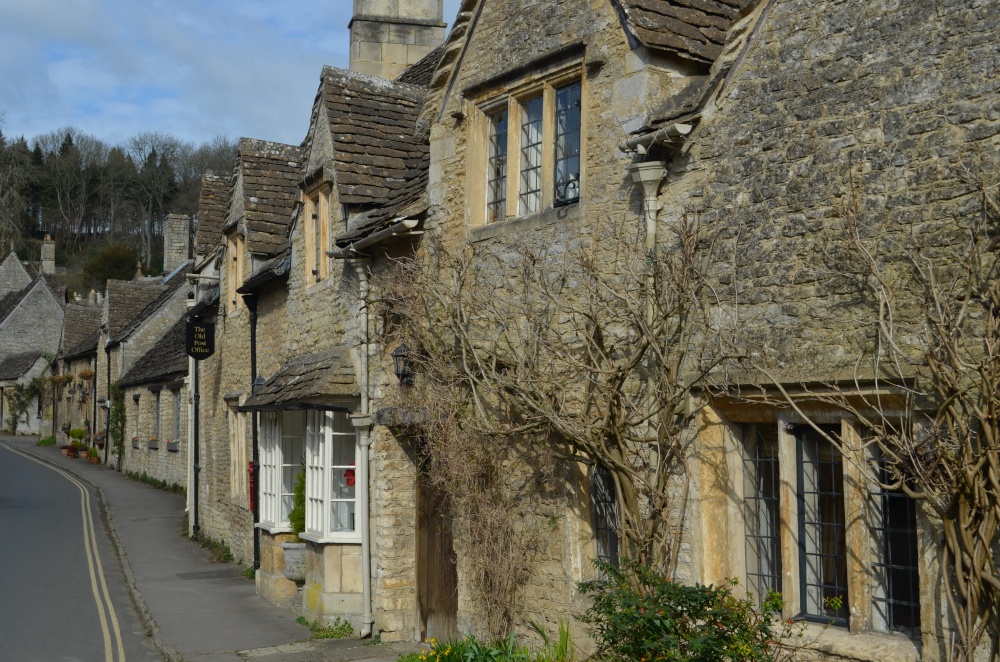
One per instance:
(48, 256)
(176, 241)
(387, 36)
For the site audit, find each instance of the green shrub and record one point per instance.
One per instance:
(297, 515)
(469, 649)
(638, 614)
(47, 441)
(77, 433)
(337, 630)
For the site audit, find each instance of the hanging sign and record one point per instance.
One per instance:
(200, 343)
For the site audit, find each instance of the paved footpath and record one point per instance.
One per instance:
(196, 610)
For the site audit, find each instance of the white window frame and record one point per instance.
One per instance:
(323, 429)
(274, 460)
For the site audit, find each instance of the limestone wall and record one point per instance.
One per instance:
(165, 458)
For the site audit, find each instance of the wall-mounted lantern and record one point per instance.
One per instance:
(402, 365)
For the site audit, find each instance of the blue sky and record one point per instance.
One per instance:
(192, 68)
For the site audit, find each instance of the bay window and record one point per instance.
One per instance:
(331, 479)
(282, 443)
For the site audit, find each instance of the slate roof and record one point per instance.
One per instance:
(165, 360)
(11, 300)
(421, 72)
(127, 298)
(270, 173)
(213, 202)
(177, 280)
(693, 29)
(372, 121)
(80, 330)
(315, 378)
(14, 367)
(275, 269)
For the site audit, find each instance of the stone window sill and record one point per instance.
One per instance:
(861, 646)
(526, 223)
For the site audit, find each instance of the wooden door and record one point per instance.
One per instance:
(437, 577)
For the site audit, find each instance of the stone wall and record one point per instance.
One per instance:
(387, 37)
(176, 241)
(165, 458)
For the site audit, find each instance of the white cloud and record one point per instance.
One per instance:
(193, 68)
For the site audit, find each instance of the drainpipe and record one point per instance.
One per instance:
(93, 397)
(250, 300)
(363, 423)
(196, 400)
(649, 175)
(107, 400)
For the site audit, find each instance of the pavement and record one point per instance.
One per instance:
(195, 609)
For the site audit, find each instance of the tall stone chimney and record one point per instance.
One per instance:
(48, 256)
(387, 36)
(176, 241)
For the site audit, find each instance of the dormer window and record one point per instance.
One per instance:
(317, 235)
(531, 140)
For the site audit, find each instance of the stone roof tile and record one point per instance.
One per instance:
(311, 379)
(165, 360)
(126, 299)
(14, 366)
(693, 29)
(271, 173)
(177, 280)
(213, 202)
(80, 329)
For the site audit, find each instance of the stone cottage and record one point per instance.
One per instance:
(77, 361)
(31, 319)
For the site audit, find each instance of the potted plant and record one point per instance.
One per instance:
(135, 442)
(153, 443)
(65, 448)
(95, 457)
(99, 440)
(295, 550)
(173, 446)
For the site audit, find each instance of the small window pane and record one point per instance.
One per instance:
(496, 179)
(896, 590)
(760, 510)
(531, 157)
(822, 527)
(567, 164)
(605, 507)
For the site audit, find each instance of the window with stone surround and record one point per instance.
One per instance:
(604, 506)
(234, 268)
(331, 481)
(238, 483)
(525, 148)
(156, 414)
(282, 448)
(805, 540)
(177, 414)
(316, 231)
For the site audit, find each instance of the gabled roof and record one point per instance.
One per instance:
(15, 366)
(126, 299)
(692, 29)
(14, 276)
(310, 379)
(165, 360)
(9, 302)
(270, 174)
(372, 123)
(80, 330)
(171, 284)
(212, 204)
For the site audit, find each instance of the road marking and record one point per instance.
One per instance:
(98, 583)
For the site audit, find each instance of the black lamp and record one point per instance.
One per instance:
(402, 366)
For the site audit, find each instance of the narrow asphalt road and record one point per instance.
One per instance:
(62, 591)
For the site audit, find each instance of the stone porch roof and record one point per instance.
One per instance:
(15, 366)
(166, 360)
(314, 379)
(213, 201)
(270, 173)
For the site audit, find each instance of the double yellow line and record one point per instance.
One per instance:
(98, 584)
